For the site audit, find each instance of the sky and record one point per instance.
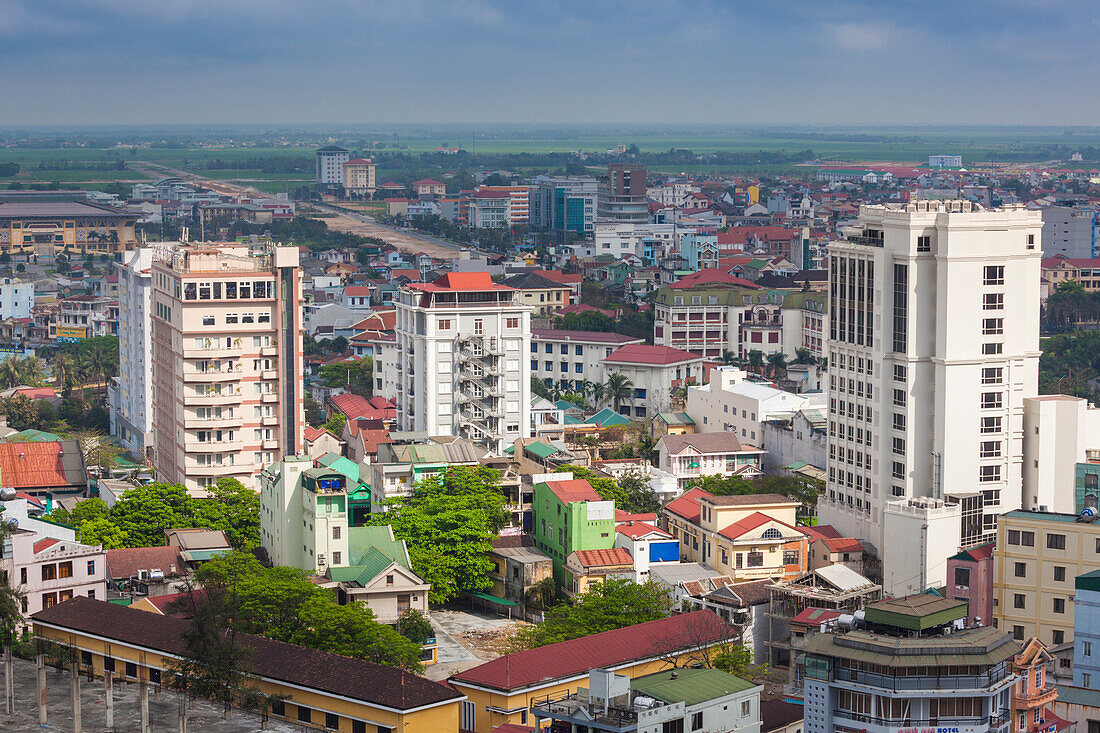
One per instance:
(86, 62)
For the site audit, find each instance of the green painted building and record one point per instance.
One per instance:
(570, 516)
(1087, 485)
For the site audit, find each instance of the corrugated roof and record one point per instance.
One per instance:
(40, 466)
(843, 578)
(608, 649)
(689, 686)
(295, 665)
(372, 562)
(603, 558)
(573, 490)
(646, 354)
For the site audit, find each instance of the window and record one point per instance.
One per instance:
(899, 421)
(746, 708)
(990, 449)
(208, 320)
(696, 721)
(445, 324)
(993, 326)
(65, 569)
(479, 327)
(1086, 648)
(305, 715)
(987, 474)
(1059, 573)
(992, 375)
(1056, 541)
(91, 567)
(899, 397)
(993, 301)
(994, 275)
(924, 244)
(1018, 600)
(468, 721)
(1019, 570)
(1058, 637)
(511, 323)
(901, 307)
(900, 372)
(1018, 633)
(899, 446)
(1059, 605)
(991, 425)
(332, 721)
(993, 348)
(962, 577)
(755, 560)
(992, 400)
(898, 470)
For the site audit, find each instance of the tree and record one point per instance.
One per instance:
(448, 523)
(239, 509)
(98, 451)
(24, 413)
(639, 497)
(541, 594)
(803, 355)
(778, 363)
(611, 604)
(102, 531)
(315, 414)
(599, 394)
(144, 512)
(64, 369)
(356, 375)
(723, 485)
(335, 424)
(618, 388)
(756, 361)
(415, 626)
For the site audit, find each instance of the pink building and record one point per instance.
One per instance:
(227, 361)
(970, 578)
(51, 571)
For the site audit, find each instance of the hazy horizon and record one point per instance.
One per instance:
(482, 62)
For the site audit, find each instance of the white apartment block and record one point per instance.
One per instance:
(358, 176)
(227, 361)
(573, 356)
(653, 371)
(16, 298)
(671, 193)
(304, 515)
(933, 346)
(732, 403)
(1060, 431)
(711, 318)
(130, 394)
(330, 165)
(619, 240)
(462, 362)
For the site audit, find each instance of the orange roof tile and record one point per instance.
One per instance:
(573, 490)
(603, 558)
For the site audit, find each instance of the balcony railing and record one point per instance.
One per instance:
(992, 721)
(920, 682)
(866, 241)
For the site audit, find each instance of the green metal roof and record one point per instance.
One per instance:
(1047, 516)
(362, 539)
(369, 566)
(540, 449)
(32, 436)
(347, 467)
(491, 599)
(1088, 581)
(676, 418)
(690, 686)
(202, 555)
(607, 418)
(916, 613)
(1078, 696)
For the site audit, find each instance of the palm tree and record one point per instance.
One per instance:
(584, 388)
(599, 393)
(64, 369)
(32, 371)
(756, 361)
(777, 362)
(728, 358)
(618, 388)
(96, 363)
(9, 371)
(804, 356)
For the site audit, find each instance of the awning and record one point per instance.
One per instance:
(202, 555)
(491, 599)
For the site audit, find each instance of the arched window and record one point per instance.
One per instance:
(771, 533)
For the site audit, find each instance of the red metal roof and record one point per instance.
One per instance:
(635, 530)
(710, 275)
(573, 490)
(357, 290)
(352, 405)
(843, 544)
(126, 562)
(645, 354)
(814, 616)
(820, 532)
(749, 523)
(621, 516)
(44, 544)
(605, 650)
(603, 337)
(603, 558)
(687, 504)
(35, 466)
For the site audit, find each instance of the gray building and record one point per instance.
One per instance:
(564, 204)
(1069, 231)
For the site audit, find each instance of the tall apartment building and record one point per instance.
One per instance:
(358, 176)
(16, 298)
(933, 343)
(1060, 432)
(1069, 231)
(518, 202)
(621, 194)
(564, 204)
(462, 364)
(330, 166)
(1038, 557)
(227, 361)
(130, 394)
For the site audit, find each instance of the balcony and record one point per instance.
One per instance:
(211, 375)
(270, 420)
(225, 398)
(210, 446)
(990, 723)
(865, 241)
(269, 374)
(922, 682)
(270, 444)
(1037, 698)
(270, 397)
(211, 352)
(205, 423)
(215, 470)
(269, 350)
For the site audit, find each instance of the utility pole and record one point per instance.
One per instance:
(40, 661)
(74, 687)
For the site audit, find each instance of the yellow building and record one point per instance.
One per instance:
(1038, 556)
(321, 690)
(48, 226)
(503, 690)
(543, 294)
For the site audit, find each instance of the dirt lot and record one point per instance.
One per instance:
(402, 241)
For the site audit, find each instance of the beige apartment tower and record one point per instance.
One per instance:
(227, 361)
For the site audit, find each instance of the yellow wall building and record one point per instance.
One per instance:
(502, 691)
(49, 226)
(322, 690)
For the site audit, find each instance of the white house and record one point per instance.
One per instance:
(573, 356)
(16, 298)
(688, 457)
(653, 371)
(730, 402)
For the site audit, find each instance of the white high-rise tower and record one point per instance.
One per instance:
(933, 346)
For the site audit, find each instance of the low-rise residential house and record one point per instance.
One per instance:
(780, 716)
(585, 567)
(319, 441)
(50, 571)
(798, 438)
(380, 575)
(304, 515)
(197, 545)
(518, 566)
(1035, 691)
(546, 296)
(398, 467)
(690, 456)
(970, 578)
(40, 468)
(827, 551)
(653, 372)
(673, 423)
(647, 545)
(748, 537)
(704, 700)
(134, 572)
(503, 690)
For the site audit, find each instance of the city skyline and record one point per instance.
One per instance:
(482, 61)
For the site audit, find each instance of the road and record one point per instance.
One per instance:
(403, 240)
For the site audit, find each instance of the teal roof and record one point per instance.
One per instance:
(565, 405)
(1088, 581)
(1078, 696)
(570, 420)
(32, 436)
(607, 418)
(362, 539)
(1047, 516)
(373, 562)
(689, 686)
(540, 449)
(676, 418)
(346, 466)
(510, 450)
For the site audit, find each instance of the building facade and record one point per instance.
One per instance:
(1086, 635)
(227, 361)
(16, 298)
(51, 225)
(1069, 231)
(51, 571)
(573, 356)
(1060, 432)
(130, 394)
(730, 402)
(330, 166)
(462, 360)
(564, 204)
(358, 176)
(621, 194)
(933, 344)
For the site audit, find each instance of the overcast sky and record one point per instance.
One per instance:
(530, 61)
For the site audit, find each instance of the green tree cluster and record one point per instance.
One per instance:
(798, 488)
(356, 375)
(611, 604)
(449, 522)
(1069, 364)
(140, 516)
(282, 604)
